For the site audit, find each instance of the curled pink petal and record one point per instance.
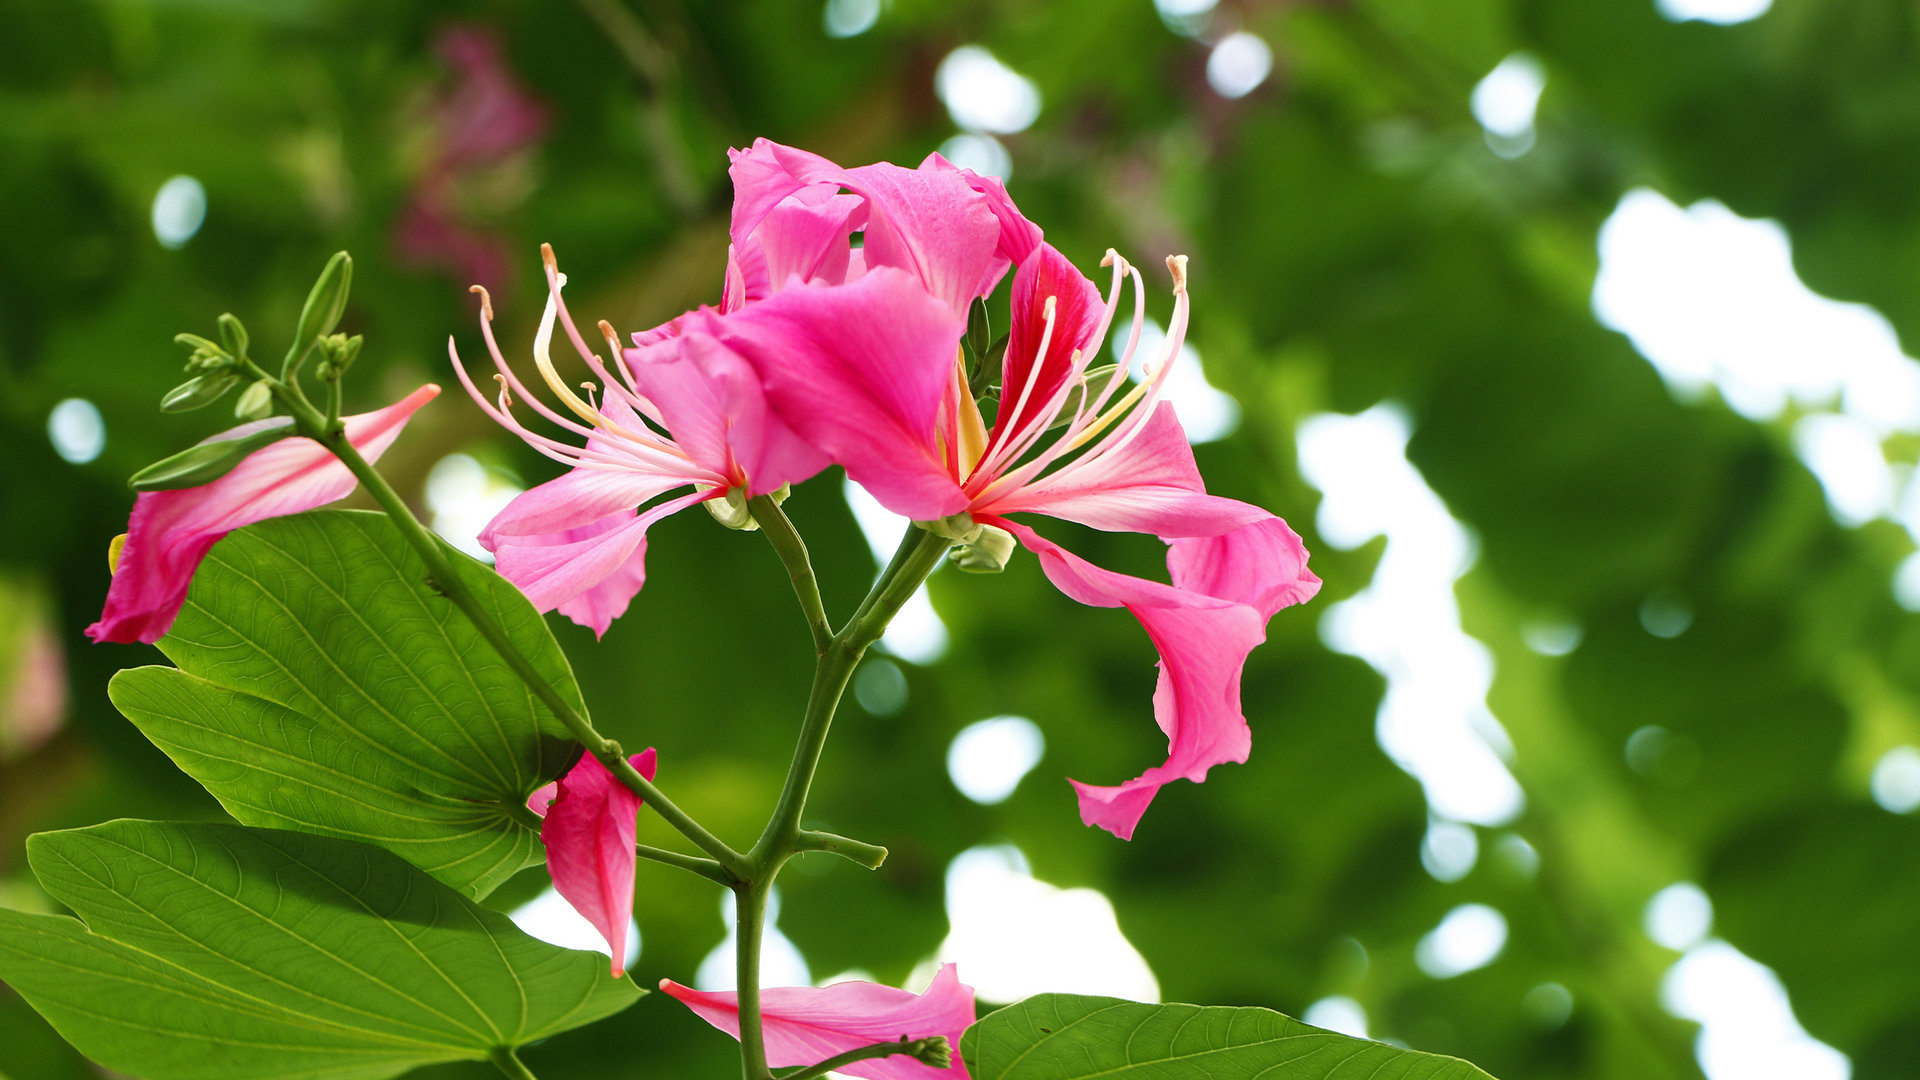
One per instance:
(171, 531)
(804, 1025)
(1030, 378)
(555, 570)
(588, 831)
(1203, 643)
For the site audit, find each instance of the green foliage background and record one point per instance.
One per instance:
(1353, 240)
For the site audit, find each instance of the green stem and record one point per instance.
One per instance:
(443, 576)
(919, 553)
(509, 1063)
(912, 1047)
(793, 553)
(867, 855)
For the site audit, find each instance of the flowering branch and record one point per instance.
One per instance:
(309, 421)
(793, 552)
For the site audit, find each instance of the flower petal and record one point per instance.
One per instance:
(554, 570)
(589, 836)
(859, 371)
(931, 221)
(712, 401)
(1203, 642)
(1077, 310)
(171, 531)
(804, 1025)
(806, 235)
(1262, 565)
(1149, 485)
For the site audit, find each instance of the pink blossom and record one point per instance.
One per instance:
(804, 1025)
(171, 531)
(693, 416)
(589, 822)
(867, 371)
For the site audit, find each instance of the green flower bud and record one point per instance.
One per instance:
(256, 402)
(205, 462)
(325, 304)
(732, 511)
(959, 527)
(233, 334)
(985, 554)
(934, 1051)
(198, 391)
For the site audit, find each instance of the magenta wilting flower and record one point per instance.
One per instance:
(589, 819)
(171, 531)
(869, 371)
(805, 1024)
(695, 419)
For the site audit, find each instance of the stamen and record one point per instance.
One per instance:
(1051, 310)
(486, 301)
(506, 397)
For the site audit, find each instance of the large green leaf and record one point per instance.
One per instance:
(1068, 1037)
(211, 952)
(325, 686)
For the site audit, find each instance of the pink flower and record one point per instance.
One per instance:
(867, 371)
(590, 819)
(804, 1025)
(693, 416)
(171, 531)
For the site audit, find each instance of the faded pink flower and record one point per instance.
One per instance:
(805, 1024)
(589, 822)
(171, 531)
(694, 417)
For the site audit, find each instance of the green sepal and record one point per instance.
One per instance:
(986, 369)
(325, 304)
(256, 402)
(1092, 379)
(198, 392)
(203, 463)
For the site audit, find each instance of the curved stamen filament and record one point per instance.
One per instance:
(1136, 420)
(1050, 312)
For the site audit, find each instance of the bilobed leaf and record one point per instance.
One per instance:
(1068, 1037)
(324, 686)
(218, 952)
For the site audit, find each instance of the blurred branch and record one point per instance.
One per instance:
(654, 71)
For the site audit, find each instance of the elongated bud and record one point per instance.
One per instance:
(325, 304)
(732, 510)
(206, 462)
(985, 554)
(233, 335)
(256, 402)
(198, 391)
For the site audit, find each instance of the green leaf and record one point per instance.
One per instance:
(1068, 1037)
(324, 686)
(217, 952)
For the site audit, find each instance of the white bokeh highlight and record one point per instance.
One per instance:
(780, 961)
(1896, 780)
(179, 209)
(983, 154)
(1747, 1027)
(77, 430)
(1206, 412)
(916, 634)
(988, 758)
(1505, 102)
(1723, 12)
(462, 496)
(1433, 720)
(1238, 64)
(551, 919)
(1449, 850)
(1338, 1013)
(1712, 300)
(1014, 936)
(1678, 917)
(849, 18)
(984, 95)
(1470, 937)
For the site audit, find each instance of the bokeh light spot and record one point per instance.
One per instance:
(850, 18)
(1449, 850)
(1338, 1013)
(77, 430)
(880, 687)
(1723, 12)
(988, 759)
(1470, 937)
(1548, 1005)
(1666, 614)
(179, 209)
(1896, 780)
(551, 919)
(983, 94)
(1679, 916)
(1238, 64)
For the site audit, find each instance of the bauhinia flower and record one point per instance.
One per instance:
(870, 372)
(693, 418)
(589, 822)
(171, 531)
(804, 1024)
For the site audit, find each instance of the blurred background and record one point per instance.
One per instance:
(1568, 332)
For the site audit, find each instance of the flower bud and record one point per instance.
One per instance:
(732, 510)
(233, 334)
(325, 304)
(935, 1051)
(958, 527)
(986, 553)
(203, 389)
(256, 402)
(203, 463)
